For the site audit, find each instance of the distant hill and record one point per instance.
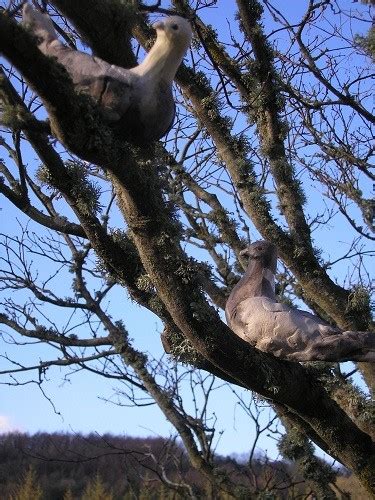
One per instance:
(93, 467)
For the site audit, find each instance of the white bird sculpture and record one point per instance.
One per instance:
(137, 102)
(254, 314)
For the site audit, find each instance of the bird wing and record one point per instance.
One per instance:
(272, 306)
(110, 86)
(278, 328)
(112, 89)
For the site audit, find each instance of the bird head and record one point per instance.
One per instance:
(175, 30)
(264, 252)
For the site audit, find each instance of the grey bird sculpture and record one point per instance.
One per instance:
(254, 314)
(137, 102)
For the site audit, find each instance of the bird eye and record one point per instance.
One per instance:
(175, 26)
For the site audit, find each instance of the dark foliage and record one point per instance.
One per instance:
(125, 465)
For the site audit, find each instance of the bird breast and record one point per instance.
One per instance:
(150, 117)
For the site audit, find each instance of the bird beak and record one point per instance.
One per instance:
(159, 25)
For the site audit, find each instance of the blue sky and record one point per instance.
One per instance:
(84, 402)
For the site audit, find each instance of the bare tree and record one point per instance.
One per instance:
(273, 139)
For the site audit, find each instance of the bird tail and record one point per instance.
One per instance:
(40, 24)
(339, 347)
(365, 345)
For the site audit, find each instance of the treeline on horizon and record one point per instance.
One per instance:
(62, 466)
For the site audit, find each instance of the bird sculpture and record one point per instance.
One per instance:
(137, 102)
(253, 313)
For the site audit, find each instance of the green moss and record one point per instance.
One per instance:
(182, 349)
(295, 446)
(145, 284)
(121, 327)
(359, 307)
(83, 191)
(367, 43)
(13, 117)
(156, 305)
